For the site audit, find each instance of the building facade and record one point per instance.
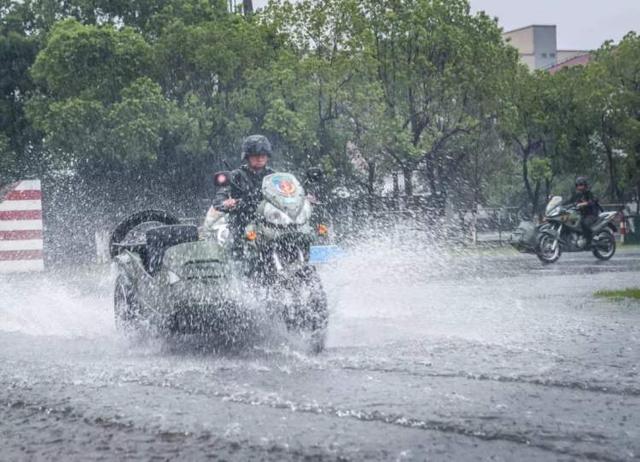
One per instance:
(537, 45)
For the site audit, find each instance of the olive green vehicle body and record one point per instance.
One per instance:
(190, 291)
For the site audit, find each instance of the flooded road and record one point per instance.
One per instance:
(430, 357)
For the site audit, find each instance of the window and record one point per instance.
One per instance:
(544, 55)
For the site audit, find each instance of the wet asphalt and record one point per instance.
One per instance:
(431, 355)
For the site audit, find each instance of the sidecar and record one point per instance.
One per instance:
(169, 280)
(525, 237)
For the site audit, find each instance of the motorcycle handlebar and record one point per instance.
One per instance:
(224, 209)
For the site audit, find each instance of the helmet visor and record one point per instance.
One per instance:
(255, 152)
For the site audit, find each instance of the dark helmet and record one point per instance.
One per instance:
(315, 174)
(255, 145)
(582, 181)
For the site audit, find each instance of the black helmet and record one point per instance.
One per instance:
(582, 181)
(315, 174)
(255, 145)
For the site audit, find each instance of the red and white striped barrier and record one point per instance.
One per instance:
(21, 244)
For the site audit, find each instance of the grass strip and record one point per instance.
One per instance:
(625, 293)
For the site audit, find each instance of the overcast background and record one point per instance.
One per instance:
(582, 24)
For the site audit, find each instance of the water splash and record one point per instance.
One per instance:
(61, 304)
(389, 285)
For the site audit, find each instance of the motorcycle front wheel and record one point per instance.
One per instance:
(604, 245)
(309, 313)
(545, 250)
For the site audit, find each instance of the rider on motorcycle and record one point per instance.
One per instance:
(588, 206)
(244, 191)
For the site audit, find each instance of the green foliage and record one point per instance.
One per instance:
(136, 122)
(440, 69)
(365, 88)
(549, 129)
(7, 160)
(18, 50)
(74, 128)
(90, 61)
(612, 108)
(619, 294)
(306, 90)
(540, 169)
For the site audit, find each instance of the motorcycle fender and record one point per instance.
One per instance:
(544, 228)
(604, 225)
(270, 234)
(554, 234)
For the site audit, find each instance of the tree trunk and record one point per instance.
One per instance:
(614, 193)
(430, 174)
(534, 202)
(407, 174)
(371, 182)
(527, 183)
(476, 182)
(638, 176)
(396, 185)
(371, 177)
(247, 6)
(547, 189)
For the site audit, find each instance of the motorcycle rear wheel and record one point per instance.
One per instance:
(604, 245)
(545, 251)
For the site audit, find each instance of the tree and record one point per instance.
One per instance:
(18, 141)
(524, 125)
(613, 100)
(91, 61)
(220, 64)
(308, 89)
(166, 91)
(441, 69)
(103, 116)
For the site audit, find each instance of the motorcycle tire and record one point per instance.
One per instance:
(543, 249)
(320, 316)
(599, 251)
(313, 316)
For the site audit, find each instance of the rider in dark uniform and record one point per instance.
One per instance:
(584, 199)
(244, 191)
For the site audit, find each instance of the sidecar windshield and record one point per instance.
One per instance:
(553, 203)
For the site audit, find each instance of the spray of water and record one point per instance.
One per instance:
(65, 304)
(390, 283)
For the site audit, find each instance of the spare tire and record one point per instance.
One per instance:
(138, 218)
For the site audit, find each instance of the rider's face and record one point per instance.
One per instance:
(581, 187)
(258, 161)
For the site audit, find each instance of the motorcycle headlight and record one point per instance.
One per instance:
(222, 235)
(275, 216)
(304, 214)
